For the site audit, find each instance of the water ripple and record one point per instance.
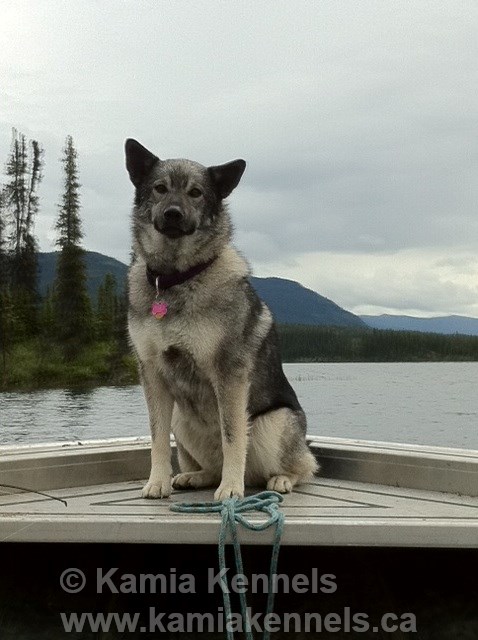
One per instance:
(418, 403)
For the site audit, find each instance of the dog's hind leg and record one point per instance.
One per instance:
(278, 454)
(192, 476)
(282, 483)
(194, 473)
(185, 459)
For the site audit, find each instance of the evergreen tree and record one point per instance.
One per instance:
(20, 199)
(20, 205)
(29, 264)
(121, 330)
(3, 289)
(47, 317)
(69, 223)
(3, 243)
(107, 308)
(71, 301)
(111, 325)
(15, 190)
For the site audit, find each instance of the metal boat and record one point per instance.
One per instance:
(368, 493)
(396, 525)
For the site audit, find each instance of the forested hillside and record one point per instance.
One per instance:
(63, 314)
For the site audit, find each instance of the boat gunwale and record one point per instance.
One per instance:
(363, 467)
(51, 465)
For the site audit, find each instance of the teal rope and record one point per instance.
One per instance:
(231, 511)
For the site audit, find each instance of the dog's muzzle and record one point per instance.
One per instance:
(172, 223)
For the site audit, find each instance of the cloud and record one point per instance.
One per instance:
(417, 282)
(357, 123)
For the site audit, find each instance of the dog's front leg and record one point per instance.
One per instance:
(160, 408)
(232, 394)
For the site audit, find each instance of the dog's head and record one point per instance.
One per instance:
(176, 199)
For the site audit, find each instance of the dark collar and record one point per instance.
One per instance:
(167, 280)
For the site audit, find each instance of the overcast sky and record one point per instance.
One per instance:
(358, 121)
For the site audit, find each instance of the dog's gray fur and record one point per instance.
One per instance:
(210, 369)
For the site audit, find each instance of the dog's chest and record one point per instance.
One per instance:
(178, 344)
(183, 353)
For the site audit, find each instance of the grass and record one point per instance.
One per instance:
(37, 364)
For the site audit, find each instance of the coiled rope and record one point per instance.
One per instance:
(232, 511)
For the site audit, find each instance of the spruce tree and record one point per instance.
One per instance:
(3, 243)
(107, 308)
(111, 324)
(15, 190)
(20, 204)
(4, 334)
(71, 301)
(47, 317)
(29, 242)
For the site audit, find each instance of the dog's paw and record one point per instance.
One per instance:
(183, 480)
(157, 488)
(229, 490)
(193, 480)
(281, 484)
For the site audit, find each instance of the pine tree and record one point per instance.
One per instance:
(47, 317)
(121, 328)
(107, 308)
(71, 301)
(4, 335)
(69, 223)
(15, 190)
(3, 243)
(20, 205)
(111, 324)
(29, 243)
(20, 199)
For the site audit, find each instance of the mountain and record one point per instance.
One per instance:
(292, 303)
(289, 301)
(97, 266)
(443, 324)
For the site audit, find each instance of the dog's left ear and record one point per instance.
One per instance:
(226, 177)
(139, 161)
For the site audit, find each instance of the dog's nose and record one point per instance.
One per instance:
(171, 220)
(173, 214)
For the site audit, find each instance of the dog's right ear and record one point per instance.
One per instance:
(139, 161)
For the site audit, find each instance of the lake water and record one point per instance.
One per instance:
(419, 403)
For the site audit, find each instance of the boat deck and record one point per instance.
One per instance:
(369, 494)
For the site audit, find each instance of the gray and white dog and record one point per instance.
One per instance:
(206, 344)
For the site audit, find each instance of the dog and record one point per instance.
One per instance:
(206, 345)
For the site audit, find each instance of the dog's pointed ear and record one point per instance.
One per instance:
(139, 161)
(226, 177)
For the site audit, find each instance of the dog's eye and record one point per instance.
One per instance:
(195, 193)
(160, 188)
